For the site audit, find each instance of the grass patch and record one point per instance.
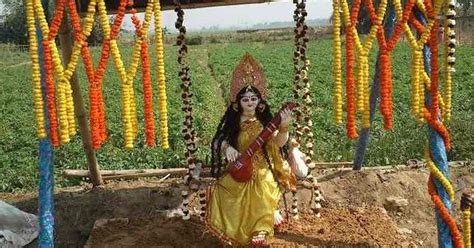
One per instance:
(19, 145)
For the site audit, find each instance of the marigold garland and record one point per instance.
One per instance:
(97, 109)
(162, 99)
(66, 113)
(127, 76)
(80, 46)
(444, 213)
(419, 80)
(466, 224)
(449, 56)
(36, 74)
(363, 53)
(50, 94)
(350, 86)
(417, 66)
(337, 66)
(433, 44)
(65, 103)
(438, 174)
(466, 206)
(357, 91)
(147, 86)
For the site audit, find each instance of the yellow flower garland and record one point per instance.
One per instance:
(417, 88)
(439, 175)
(427, 81)
(126, 76)
(447, 68)
(65, 101)
(337, 72)
(70, 111)
(36, 74)
(64, 93)
(417, 65)
(363, 49)
(162, 99)
(466, 227)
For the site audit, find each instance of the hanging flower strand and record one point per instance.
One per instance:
(301, 89)
(449, 54)
(297, 78)
(129, 117)
(162, 98)
(81, 37)
(337, 66)
(146, 79)
(97, 109)
(36, 74)
(50, 95)
(189, 134)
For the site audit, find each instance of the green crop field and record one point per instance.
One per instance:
(211, 68)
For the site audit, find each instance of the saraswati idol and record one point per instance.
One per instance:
(247, 161)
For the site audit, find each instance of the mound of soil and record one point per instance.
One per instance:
(358, 212)
(337, 228)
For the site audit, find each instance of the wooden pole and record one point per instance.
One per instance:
(66, 46)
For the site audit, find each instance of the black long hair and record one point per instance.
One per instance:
(229, 128)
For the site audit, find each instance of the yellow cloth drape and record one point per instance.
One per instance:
(236, 211)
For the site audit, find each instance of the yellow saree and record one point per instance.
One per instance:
(236, 211)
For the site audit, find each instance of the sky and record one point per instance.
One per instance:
(241, 15)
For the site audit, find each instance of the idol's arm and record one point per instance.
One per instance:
(281, 136)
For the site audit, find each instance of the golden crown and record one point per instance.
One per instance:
(248, 73)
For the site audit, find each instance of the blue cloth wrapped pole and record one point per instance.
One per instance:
(46, 179)
(363, 140)
(438, 154)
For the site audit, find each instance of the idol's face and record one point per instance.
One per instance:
(249, 102)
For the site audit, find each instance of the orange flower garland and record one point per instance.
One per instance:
(147, 86)
(350, 86)
(50, 94)
(444, 213)
(93, 89)
(48, 64)
(434, 71)
(126, 76)
(97, 111)
(64, 99)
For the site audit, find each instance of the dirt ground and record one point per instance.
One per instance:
(356, 213)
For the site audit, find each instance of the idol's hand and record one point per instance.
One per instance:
(285, 118)
(231, 154)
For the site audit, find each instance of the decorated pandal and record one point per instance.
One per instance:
(418, 21)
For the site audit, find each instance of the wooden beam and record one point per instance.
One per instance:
(174, 172)
(108, 173)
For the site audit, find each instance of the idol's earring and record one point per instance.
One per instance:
(261, 107)
(235, 107)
